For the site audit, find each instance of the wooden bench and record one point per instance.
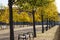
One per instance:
(26, 36)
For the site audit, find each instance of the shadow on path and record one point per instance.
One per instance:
(57, 34)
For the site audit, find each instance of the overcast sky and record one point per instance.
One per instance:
(5, 2)
(58, 5)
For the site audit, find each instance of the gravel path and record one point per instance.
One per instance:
(52, 34)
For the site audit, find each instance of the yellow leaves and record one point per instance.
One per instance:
(5, 16)
(15, 17)
(51, 12)
(24, 17)
(20, 17)
(37, 17)
(48, 12)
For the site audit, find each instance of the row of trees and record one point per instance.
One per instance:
(22, 13)
(39, 9)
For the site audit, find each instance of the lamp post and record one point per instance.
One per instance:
(10, 3)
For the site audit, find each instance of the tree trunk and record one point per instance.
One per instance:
(11, 20)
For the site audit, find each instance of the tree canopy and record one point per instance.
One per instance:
(47, 6)
(26, 4)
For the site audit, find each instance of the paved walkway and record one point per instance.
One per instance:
(52, 34)
(57, 34)
(18, 28)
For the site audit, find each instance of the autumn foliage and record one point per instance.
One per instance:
(49, 11)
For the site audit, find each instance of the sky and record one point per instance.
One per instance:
(58, 5)
(5, 2)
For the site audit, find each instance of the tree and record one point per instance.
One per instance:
(15, 15)
(32, 5)
(2, 10)
(5, 16)
(24, 17)
(10, 3)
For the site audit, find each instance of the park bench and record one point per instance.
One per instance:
(26, 36)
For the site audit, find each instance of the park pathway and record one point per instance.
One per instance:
(57, 34)
(51, 34)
